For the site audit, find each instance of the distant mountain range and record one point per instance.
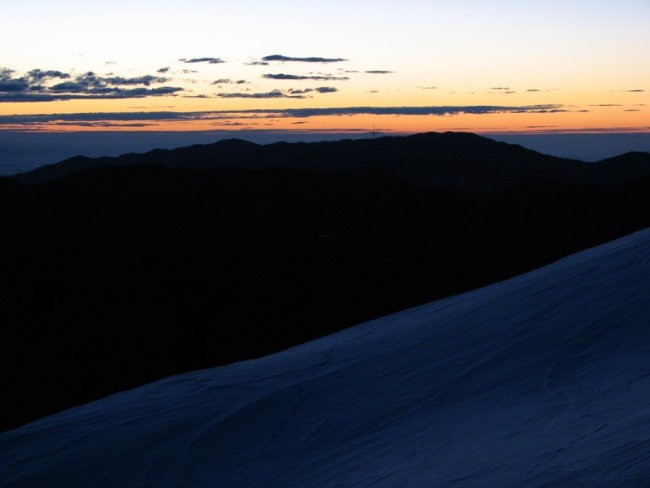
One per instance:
(116, 275)
(451, 160)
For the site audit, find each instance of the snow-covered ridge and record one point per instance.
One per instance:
(541, 380)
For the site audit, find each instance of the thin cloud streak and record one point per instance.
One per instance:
(202, 60)
(170, 116)
(311, 59)
(271, 94)
(284, 76)
(114, 93)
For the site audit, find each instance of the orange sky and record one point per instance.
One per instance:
(588, 60)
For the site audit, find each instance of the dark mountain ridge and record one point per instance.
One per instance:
(114, 276)
(453, 160)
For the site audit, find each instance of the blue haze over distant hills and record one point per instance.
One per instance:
(22, 151)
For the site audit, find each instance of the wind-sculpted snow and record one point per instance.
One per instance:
(538, 381)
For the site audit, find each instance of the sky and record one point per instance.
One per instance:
(328, 68)
(406, 66)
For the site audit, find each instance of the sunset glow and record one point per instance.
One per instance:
(502, 66)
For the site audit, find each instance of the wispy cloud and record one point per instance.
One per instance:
(284, 76)
(636, 90)
(40, 119)
(228, 81)
(378, 72)
(311, 59)
(39, 75)
(271, 94)
(145, 80)
(202, 60)
(430, 110)
(31, 82)
(38, 86)
(300, 91)
(320, 89)
(501, 90)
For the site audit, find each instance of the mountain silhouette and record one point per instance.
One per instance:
(452, 160)
(117, 276)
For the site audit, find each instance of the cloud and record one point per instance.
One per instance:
(202, 60)
(105, 124)
(114, 93)
(140, 80)
(163, 70)
(300, 91)
(40, 119)
(283, 76)
(95, 116)
(38, 75)
(606, 105)
(428, 87)
(257, 63)
(313, 59)
(36, 86)
(13, 85)
(31, 82)
(499, 88)
(228, 81)
(431, 110)
(90, 81)
(320, 89)
(637, 90)
(378, 72)
(271, 94)
(533, 90)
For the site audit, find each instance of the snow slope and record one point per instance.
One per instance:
(542, 380)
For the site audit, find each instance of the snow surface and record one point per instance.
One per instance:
(542, 380)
